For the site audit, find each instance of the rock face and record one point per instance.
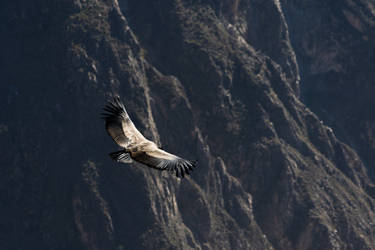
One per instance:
(229, 83)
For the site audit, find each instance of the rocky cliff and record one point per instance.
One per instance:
(273, 98)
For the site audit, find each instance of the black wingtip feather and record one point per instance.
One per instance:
(186, 170)
(177, 173)
(114, 109)
(183, 168)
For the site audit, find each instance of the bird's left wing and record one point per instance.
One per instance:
(162, 160)
(119, 126)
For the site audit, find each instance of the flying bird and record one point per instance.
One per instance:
(136, 146)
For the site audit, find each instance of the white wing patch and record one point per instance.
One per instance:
(162, 160)
(119, 126)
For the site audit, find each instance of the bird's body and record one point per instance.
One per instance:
(136, 146)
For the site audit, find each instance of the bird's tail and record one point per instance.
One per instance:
(121, 156)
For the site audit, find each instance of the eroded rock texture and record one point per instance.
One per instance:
(228, 83)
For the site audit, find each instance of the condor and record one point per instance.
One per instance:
(136, 146)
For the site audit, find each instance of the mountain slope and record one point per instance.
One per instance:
(215, 81)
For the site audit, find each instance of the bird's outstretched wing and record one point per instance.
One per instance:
(162, 160)
(124, 133)
(119, 126)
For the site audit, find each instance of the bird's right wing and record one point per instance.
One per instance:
(162, 160)
(119, 126)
